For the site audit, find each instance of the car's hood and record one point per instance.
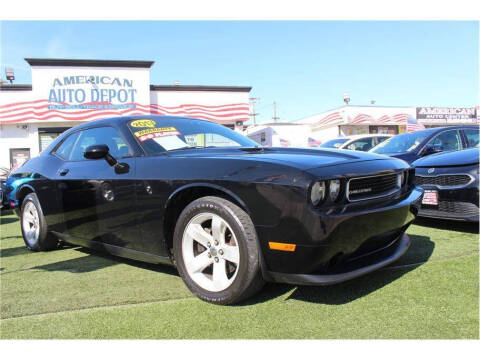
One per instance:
(300, 158)
(406, 156)
(448, 159)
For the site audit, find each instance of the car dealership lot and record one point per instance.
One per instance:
(76, 293)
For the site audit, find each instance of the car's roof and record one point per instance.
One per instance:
(355, 137)
(439, 129)
(433, 130)
(136, 117)
(367, 135)
(115, 120)
(123, 119)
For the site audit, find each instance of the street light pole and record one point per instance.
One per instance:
(275, 118)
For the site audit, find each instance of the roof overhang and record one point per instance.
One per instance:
(88, 63)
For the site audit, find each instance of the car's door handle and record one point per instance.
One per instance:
(63, 171)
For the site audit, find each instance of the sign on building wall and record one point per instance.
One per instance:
(447, 114)
(89, 93)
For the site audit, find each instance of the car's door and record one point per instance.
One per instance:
(98, 203)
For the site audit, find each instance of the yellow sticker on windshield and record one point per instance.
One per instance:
(143, 123)
(150, 133)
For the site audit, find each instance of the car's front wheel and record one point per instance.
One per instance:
(34, 226)
(216, 251)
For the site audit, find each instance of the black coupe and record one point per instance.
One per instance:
(450, 180)
(227, 213)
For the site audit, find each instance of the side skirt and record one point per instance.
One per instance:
(115, 250)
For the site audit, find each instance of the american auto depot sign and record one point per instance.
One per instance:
(105, 91)
(447, 114)
(91, 92)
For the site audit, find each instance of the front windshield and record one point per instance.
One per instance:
(336, 143)
(159, 135)
(405, 142)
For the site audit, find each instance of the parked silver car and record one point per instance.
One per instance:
(356, 142)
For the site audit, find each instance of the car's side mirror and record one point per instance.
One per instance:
(96, 152)
(431, 149)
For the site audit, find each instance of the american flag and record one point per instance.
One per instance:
(284, 143)
(413, 125)
(313, 142)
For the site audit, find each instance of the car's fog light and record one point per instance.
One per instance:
(318, 192)
(334, 189)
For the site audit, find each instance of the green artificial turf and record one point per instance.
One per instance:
(432, 292)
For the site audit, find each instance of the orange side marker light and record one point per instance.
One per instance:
(282, 246)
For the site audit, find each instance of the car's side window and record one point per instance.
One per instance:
(361, 145)
(63, 151)
(109, 136)
(472, 137)
(447, 141)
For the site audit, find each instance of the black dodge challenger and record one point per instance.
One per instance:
(227, 213)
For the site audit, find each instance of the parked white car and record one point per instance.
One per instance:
(356, 142)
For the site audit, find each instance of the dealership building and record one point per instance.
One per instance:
(356, 120)
(65, 93)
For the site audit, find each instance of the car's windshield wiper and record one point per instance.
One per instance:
(252, 149)
(189, 148)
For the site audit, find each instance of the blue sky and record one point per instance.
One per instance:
(304, 66)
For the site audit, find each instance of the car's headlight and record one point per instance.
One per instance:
(334, 189)
(317, 193)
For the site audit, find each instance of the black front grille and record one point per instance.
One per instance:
(371, 187)
(443, 180)
(450, 209)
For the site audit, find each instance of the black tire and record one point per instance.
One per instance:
(45, 241)
(248, 279)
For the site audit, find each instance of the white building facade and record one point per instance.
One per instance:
(65, 93)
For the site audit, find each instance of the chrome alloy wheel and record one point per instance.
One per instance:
(210, 252)
(30, 222)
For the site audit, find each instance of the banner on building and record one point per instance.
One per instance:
(447, 115)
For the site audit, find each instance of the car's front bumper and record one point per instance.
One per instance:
(329, 247)
(355, 267)
(454, 202)
(459, 211)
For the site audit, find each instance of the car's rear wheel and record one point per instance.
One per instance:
(216, 251)
(34, 227)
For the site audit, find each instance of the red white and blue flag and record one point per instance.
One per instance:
(313, 142)
(285, 143)
(413, 125)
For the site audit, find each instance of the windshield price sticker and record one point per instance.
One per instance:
(143, 123)
(150, 133)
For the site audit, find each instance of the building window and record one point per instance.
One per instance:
(18, 156)
(384, 130)
(48, 134)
